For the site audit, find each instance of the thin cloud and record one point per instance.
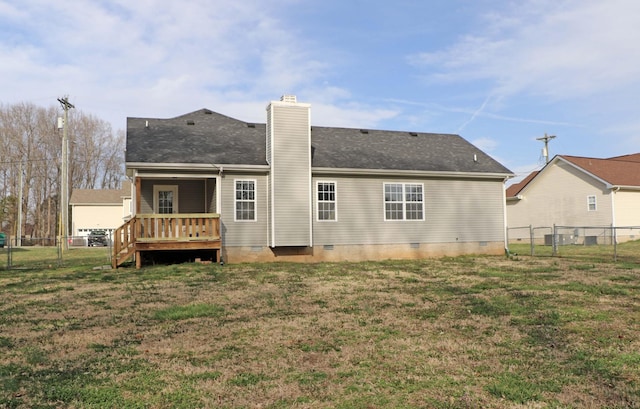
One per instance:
(567, 49)
(486, 144)
(475, 114)
(545, 64)
(161, 58)
(481, 112)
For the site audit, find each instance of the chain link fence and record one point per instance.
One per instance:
(575, 241)
(38, 253)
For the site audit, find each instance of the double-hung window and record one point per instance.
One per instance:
(403, 201)
(591, 203)
(326, 203)
(245, 200)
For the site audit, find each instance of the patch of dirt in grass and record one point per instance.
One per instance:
(427, 333)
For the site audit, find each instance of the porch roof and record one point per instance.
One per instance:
(206, 137)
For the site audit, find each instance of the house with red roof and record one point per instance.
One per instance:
(578, 191)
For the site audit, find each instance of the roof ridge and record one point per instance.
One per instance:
(613, 158)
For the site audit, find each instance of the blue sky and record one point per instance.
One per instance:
(499, 73)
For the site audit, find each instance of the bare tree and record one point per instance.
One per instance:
(95, 154)
(31, 145)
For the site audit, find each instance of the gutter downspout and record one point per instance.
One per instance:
(614, 235)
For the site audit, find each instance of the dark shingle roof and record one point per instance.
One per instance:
(207, 137)
(198, 137)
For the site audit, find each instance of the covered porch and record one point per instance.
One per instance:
(171, 212)
(166, 232)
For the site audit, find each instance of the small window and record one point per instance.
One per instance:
(591, 203)
(245, 200)
(326, 201)
(403, 201)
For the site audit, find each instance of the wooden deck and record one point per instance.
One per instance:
(161, 232)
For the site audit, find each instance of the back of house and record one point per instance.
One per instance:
(287, 190)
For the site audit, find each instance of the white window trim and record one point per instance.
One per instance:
(335, 201)
(404, 202)
(255, 201)
(595, 203)
(173, 188)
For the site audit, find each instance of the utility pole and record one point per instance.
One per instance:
(64, 184)
(19, 227)
(545, 151)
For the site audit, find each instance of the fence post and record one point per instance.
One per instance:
(614, 237)
(531, 238)
(554, 241)
(59, 248)
(9, 260)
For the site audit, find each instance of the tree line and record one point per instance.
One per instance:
(31, 146)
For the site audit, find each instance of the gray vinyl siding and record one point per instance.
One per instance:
(290, 175)
(243, 233)
(558, 195)
(454, 211)
(146, 195)
(191, 195)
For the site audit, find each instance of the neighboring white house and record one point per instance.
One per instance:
(99, 209)
(287, 190)
(578, 192)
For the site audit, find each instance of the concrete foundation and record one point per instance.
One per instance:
(335, 253)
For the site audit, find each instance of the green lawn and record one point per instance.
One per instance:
(39, 258)
(466, 332)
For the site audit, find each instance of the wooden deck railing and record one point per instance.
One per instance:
(163, 228)
(177, 227)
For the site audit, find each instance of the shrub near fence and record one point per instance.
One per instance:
(575, 241)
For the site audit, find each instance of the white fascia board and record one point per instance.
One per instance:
(182, 166)
(412, 173)
(176, 167)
